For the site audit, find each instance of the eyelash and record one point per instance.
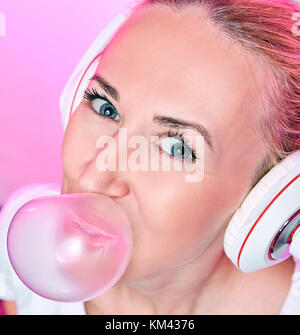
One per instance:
(92, 95)
(182, 137)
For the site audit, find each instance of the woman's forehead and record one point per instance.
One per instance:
(179, 60)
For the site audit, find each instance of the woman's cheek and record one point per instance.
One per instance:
(79, 145)
(71, 155)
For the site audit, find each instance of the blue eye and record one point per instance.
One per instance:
(174, 144)
(101, 105)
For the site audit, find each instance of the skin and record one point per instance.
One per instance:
(178, 263)
(177, 64)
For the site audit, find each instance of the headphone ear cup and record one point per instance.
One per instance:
(68, 102)
(261, 215)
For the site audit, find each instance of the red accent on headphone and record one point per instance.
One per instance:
(264, 211)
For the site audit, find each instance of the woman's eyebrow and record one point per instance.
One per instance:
(159, 119)
(107, 87)
(179, 123)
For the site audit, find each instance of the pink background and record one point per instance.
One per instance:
(44, 41)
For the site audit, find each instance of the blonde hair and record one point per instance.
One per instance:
(265, 28)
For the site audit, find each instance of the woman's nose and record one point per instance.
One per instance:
(109, 181)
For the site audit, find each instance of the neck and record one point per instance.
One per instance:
(178, 290)
(208, 284)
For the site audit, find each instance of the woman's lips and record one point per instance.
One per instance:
(91, 230)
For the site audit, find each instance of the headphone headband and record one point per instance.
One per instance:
(66, 102)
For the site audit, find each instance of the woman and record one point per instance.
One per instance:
(234, 68)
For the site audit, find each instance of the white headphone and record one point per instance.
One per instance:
(74, 89)
(264, 230)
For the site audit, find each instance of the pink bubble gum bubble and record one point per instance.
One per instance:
(70, 247)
